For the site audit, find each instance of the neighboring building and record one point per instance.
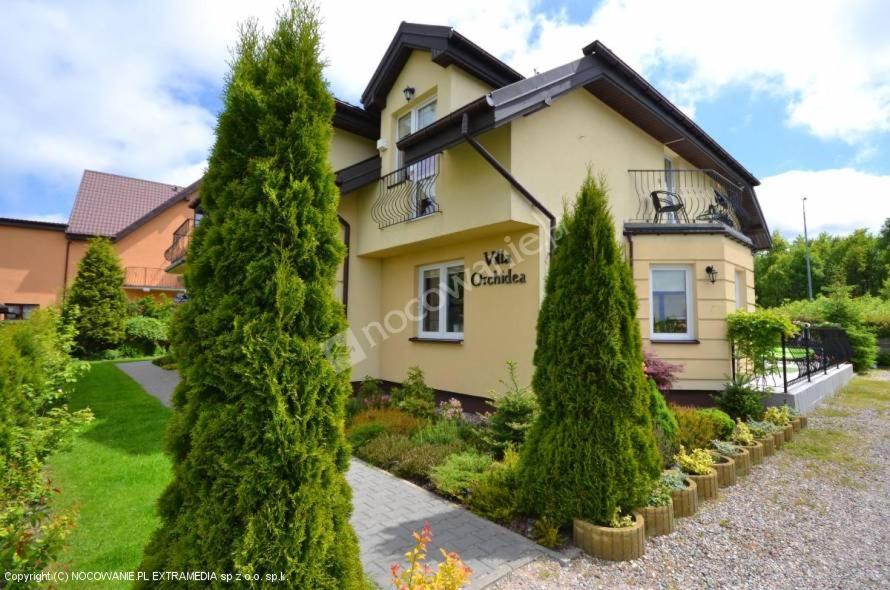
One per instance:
(138, 216)
(454, 174)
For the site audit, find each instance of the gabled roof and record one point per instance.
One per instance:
(616, 84)
(107, 204)
(349, 117)
(33, 224)
(447, 47)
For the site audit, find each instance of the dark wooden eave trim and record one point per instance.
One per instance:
(32, 224)
(447, 46)
(356, 120)
(358, 175)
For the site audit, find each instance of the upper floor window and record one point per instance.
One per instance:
(421, 176)
(670, 303)
(412, 121)
(441, 288)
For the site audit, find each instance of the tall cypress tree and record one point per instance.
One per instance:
(98, 293)
(591, 448)
(257, 432)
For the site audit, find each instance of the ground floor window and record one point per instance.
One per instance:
(441, 289)
(18, 311)
(671, 303)
(741, 289)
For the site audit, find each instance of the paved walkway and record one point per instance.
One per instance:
(387, 510)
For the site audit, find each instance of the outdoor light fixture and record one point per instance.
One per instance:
(712, 273)
(409, 92)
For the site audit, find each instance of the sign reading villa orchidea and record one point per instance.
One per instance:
(495, 259)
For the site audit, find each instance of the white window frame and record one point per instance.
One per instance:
(414, 128)
(690, 310)
(442, 267)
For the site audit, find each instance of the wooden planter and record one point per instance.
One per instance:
(755, 453)
(686, 500)
(742, 462)
(779, 439)
(659, 519)
(796, 424)
(608, 543)
(803, 421)
(769, 445)
(725, 468)
(705, 485)
(789, 433)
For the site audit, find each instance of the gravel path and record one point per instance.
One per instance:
(813, 516)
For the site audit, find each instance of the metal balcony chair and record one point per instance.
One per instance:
(668, 203)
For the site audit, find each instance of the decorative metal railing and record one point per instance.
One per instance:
(407, 193)
(140, 277)
(687, 196)
(180, 245)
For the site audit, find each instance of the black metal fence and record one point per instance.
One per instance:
(181, 238)
(407, 193)
(688, 196)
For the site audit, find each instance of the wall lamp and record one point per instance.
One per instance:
(712, 274)
(408, 92)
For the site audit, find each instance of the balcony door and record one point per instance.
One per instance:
(421, 174)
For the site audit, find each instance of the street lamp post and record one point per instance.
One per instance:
(806, 249)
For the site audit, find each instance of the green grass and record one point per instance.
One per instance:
(113, 474)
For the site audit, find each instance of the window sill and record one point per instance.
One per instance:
(683, 341)
(437, 340)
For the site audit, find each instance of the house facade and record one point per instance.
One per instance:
(138, 216)
(454, 174)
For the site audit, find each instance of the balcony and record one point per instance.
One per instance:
(687, 197)
(175, 254)
(151, 279)
(407, 194)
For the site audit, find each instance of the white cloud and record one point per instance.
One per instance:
(113, 86)
(838, 200)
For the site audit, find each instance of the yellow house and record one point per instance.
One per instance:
(454, 174)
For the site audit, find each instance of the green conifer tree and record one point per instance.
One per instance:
(257, 436)
(591, 448)
(98, 296)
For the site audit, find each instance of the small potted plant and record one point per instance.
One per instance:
(764, 432)
(742, 436)
(725, 468)
(794, 416)
(699, 467)
(658, 513)
(621, 539)
(684, 496)
(740, 457)
(779, 417)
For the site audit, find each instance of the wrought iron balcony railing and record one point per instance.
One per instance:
(687, 196)
(140, 277)
(181, 237)
(407, 193)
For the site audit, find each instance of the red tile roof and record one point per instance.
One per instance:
(107, 203)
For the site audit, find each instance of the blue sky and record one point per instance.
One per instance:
(133, 88)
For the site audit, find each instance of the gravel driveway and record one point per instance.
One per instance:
(813, 516)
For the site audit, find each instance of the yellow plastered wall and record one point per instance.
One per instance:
(706, 363)
(499, 320)
(348, 149)
(32, 266)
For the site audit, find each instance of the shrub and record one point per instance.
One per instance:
(161, 308)
(165, 362)
(742, 434)
(761, 429)
(739, 399)
(591, 448)
(696, 429)
(883, 359)
(457, 474)
(362, 434)
(778, 416)
(415, 396)
(97, 295)
(545, 532)
(439, 432)
(395, 421)
(726, 448)
(451, 574)
(721, 420)
(514, 413)
(418, 462)
(493, 494)
(664, 425)
(451, 409)
(865, 348)
(145, 334)
(36, 376)
(371, 394)
(386, 450)
(673, 479)
(757, 337)
(660, 494)
(661, 372)
(256, 437)
(699, 462)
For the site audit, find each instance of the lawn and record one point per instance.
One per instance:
(113, 474)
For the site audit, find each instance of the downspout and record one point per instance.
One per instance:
(346, 230)
(65, 274)
(464, 130)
